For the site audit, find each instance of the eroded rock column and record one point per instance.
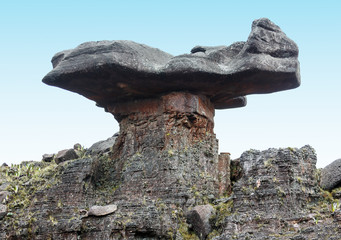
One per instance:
(166, 147)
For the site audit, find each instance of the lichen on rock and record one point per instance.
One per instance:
(164, 163)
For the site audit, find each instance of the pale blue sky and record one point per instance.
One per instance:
(37, 119)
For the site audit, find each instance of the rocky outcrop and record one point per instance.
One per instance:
(277, 197)
(111, 72)
(331, 175)
(162, 176)
(102, 147)
(65, 155)
(281, 178)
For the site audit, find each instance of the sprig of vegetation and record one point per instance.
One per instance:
(335, 206)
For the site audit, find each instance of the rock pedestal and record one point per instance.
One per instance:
(166, 147)
(166, 122)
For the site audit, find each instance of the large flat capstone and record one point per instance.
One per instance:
(111, 72)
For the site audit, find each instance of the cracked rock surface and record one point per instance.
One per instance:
(110, 72)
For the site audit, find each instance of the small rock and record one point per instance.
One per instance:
(77, 147)
(65, 155)
(102, 210)
(331, 175)
(337, 215)
(3, 211)
(3, 195)
(4, 186)
(308, 230)
(48, 157)
(223, 200)
(199, 219)
(336, 193)
(298, 237)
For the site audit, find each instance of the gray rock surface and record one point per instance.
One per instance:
(110, 72)
(3, 195)
(77, 147)
(3, 211)
(48, 157)
(276, 174)
(102, 147)
(102, 210)
(199, 218)
(65, 155)
(4, 186)
(278, 197)
(331, 175)
(165, 160)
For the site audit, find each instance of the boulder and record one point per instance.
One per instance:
(102, 147)
(331, 175)
(65, 155)
(199, 218)
(48, 157)
(102, 210)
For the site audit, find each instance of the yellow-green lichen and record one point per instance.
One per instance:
(185, 233)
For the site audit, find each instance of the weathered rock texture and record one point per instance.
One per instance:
(102, 147)
(65, 155)
(276, 197)
(199, 218)
(165, 160)
(165, 105)
(101, 210)
(331, 175)
(111, 72)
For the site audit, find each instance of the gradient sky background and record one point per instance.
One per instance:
(37, 119)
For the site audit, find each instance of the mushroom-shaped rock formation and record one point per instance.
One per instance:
(165, 105)
(111, 72)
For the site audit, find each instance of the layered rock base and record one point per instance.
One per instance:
(275, 194)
